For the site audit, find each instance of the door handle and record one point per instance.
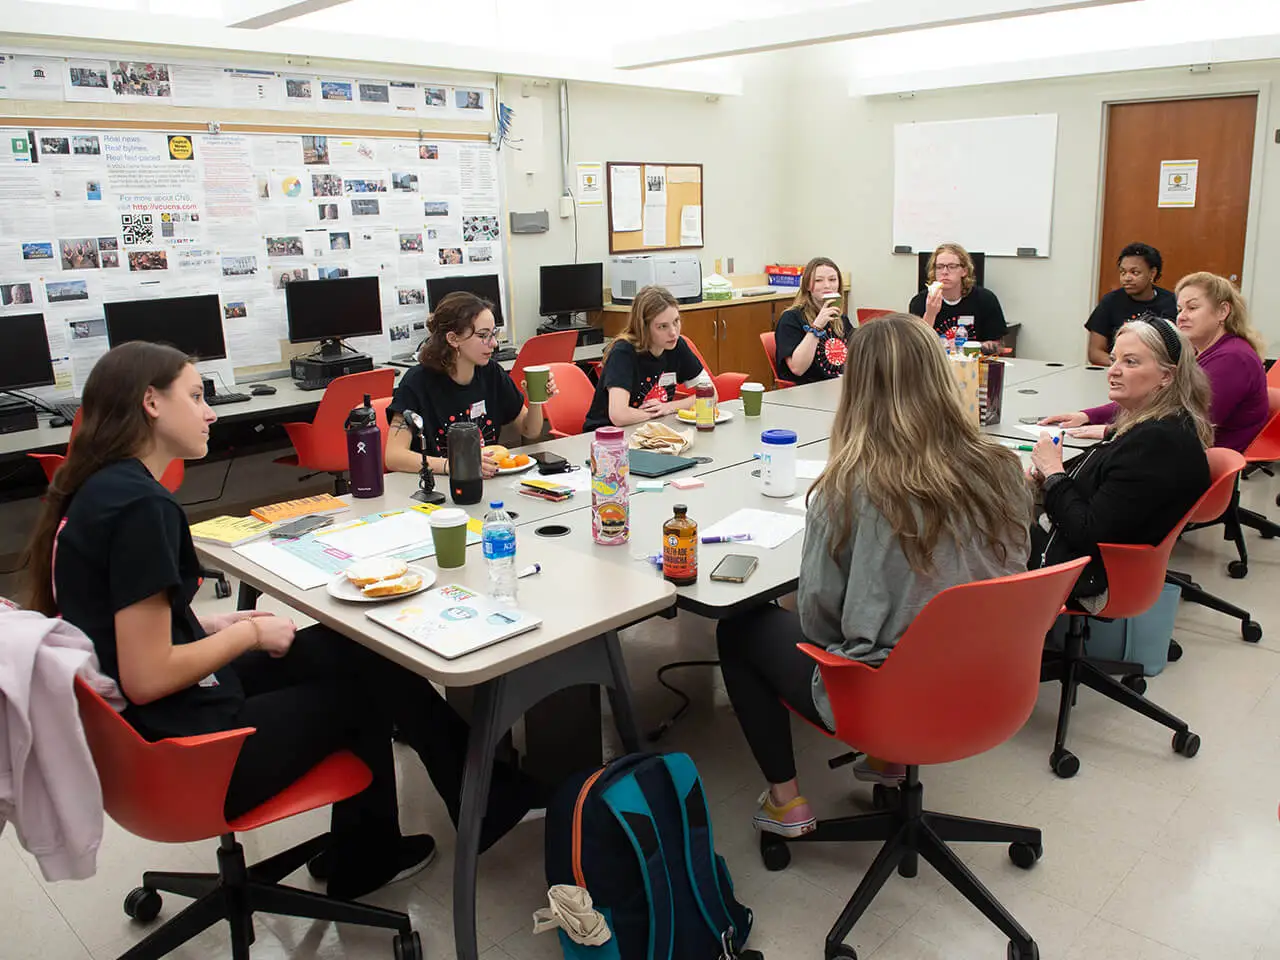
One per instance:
(1235, 278)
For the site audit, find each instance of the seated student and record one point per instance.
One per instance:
(1213, 316)
(959, 301)
(112, 554)
(1138, 483)
(811, 339)
(457, 380)
(913, 500)
(643, 365)
(1140, 266)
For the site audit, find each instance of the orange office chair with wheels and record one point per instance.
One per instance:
(979, 677)
(770, 344)
(545, 348)
(566, 411)
(321, 445)
(867, 314)
(172, 791)
(1135, 578)
(50, 462)
(728, 385)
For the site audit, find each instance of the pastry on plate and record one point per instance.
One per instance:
(497, 451)
(393, 588)
(374, 569)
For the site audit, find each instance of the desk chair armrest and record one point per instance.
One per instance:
(831, 661)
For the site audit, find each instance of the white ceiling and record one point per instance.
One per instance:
(588, 39)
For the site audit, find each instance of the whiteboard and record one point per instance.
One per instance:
(985, 184)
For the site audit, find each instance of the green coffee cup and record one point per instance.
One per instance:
(535, 383)
(752, 398)
(449, 534)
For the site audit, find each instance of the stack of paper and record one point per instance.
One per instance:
(766, 529)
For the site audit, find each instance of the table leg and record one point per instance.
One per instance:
(247, 598)
(620, 698)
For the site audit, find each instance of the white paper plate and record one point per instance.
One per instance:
(503, 471)
(724, 416)
(340, 588)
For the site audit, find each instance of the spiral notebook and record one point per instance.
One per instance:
(452, 621)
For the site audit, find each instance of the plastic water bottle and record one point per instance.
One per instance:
(962, 336)
(499, 538)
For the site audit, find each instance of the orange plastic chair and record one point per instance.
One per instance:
(544, 348)
(1135, 578)
(50, 462)
(1273, 375)
(771, 351)
(867, 314)
(173, 791)
(955, 685)
(728, 385)
(321, 445)
(566, 411)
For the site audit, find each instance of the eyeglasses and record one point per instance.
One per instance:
(489, 336)
(947, 267)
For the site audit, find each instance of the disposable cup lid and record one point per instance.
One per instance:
(448, 517)
(778, 437)
(752, 387)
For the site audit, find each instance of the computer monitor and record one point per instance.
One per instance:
(979, 268)
(25, 360)
(484, 286)
(332, 310)
(192, 324)
(569, 288)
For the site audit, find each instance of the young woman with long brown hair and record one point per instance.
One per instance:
(457, 380)
(812, 336)
(112, 554)
(643, 365)
(913, 500)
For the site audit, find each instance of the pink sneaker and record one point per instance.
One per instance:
(781, 820)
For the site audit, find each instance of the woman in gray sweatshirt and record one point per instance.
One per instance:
(913, 500)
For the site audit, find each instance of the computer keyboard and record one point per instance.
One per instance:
(505, 353)
(311, 384)
(66, 409)
(218, 399)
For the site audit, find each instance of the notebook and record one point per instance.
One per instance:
(646, 463)
(452, 621)
(229, 531)
(304, 507)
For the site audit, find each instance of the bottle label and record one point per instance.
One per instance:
(705, 410)
(499, 546)
(680, 557)
(610, 515)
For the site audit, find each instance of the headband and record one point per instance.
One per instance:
(1168, 333)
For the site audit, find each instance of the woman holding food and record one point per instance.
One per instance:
(112, 554)
(458, 381)
(953, 299)
(812, 337)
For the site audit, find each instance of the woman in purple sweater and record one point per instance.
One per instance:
(1215, 319)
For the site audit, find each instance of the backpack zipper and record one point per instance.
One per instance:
(578, 877)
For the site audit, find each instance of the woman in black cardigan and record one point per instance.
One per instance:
(1142, 479)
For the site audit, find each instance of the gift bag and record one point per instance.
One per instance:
(990, 390)
(965, 370)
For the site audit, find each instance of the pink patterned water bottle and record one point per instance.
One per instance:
(610, 508)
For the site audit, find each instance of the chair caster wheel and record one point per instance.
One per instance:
(221, 589)
(1186, 743)
(408, 948)
(774, 852)
(884, 798)
(1028, 952)
(1135, 682)
(1175, 651)
(1025, 855)
(142, 904)
(1064, 763)
(1237, 569)
(1251, 630)
(841, 952)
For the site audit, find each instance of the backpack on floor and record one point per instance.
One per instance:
(1143, 639)
(636, 834)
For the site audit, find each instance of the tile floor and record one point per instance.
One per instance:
(1148, 855)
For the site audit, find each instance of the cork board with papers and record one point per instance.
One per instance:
(654, 206)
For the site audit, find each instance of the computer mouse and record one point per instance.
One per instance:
(262, 390)
(59, 422)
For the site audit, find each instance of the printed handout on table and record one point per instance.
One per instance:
(767, 529)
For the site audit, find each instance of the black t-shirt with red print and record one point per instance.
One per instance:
(643, 376)
(979, 311)
(490, 401)
(828, 356)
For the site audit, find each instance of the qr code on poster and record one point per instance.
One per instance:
(138, 229)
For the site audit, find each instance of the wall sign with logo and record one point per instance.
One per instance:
(1178, 182)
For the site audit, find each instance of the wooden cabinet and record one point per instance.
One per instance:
(701, 328)
(740, 349)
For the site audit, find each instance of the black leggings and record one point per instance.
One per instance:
(330, 693)
(764, 673)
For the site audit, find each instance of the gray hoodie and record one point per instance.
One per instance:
(858, 604)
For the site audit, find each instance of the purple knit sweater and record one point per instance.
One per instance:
(1238, 384)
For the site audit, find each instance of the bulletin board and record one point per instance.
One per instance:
(638, 222)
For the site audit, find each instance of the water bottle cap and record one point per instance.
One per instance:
(609, 433)
(778, 437)
(495, 504)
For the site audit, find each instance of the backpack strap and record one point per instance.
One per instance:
(626, 800)
(700, 853)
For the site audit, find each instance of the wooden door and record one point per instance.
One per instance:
(1217, 131)
(740, 347)
(700, 326)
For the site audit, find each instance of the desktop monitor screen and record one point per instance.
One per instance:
(484, 286)
(571, 288)
(25, 361)
(333, 309)
(192, 324)
(979, 268)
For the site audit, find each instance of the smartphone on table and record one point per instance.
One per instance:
(550, 462)
(735, 568)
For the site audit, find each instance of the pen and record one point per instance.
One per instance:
(529, 571)
(729, 538)
(1024, 447)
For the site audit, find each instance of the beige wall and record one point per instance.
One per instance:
(843, 192)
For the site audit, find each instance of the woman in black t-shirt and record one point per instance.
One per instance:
(456, 381)
(953, 298)
(643, 365)
(112, 554)
(811, 340)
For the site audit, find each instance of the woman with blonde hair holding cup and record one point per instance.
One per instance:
(811, 339)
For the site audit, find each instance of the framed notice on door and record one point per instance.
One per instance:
(1178, 182)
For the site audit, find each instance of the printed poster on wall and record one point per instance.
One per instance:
(590, 185)
(1178, 182)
